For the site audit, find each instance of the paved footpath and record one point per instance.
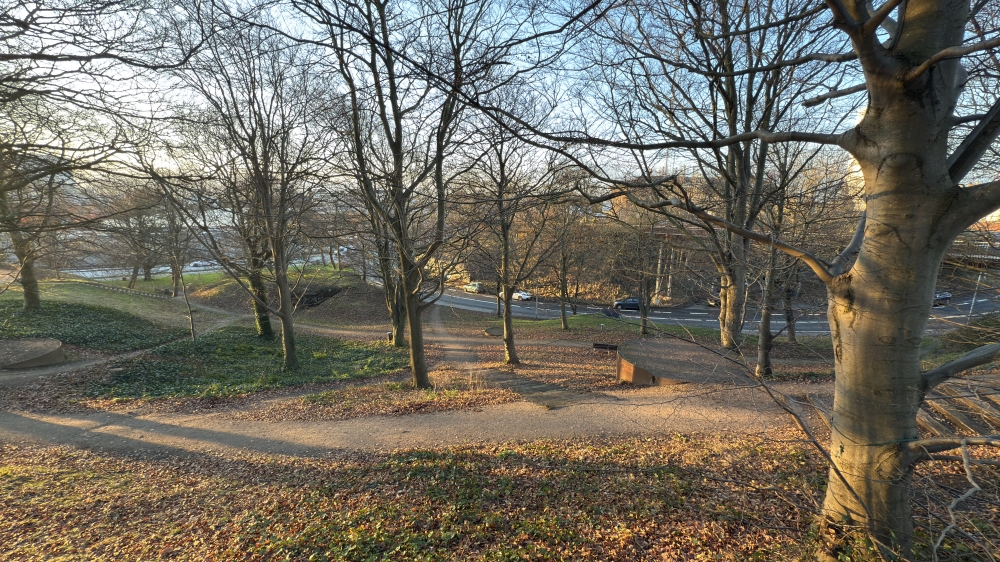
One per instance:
(548, 412)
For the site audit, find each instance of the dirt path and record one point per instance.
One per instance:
(548, 412)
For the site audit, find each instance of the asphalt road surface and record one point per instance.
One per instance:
(809, 322)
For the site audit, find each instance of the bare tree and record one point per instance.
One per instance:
(699, 76)
(515, 186)
(403, 124)
(58, 118)
(881, 286)
(570, 260)
(256, 134)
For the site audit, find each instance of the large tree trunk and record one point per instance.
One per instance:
(397, 316)
(285, 313)
(789, 312)
(261, 318)
(175, 279)
(879, 309)
(26, 264)
(410, 282)
(509, 351)
(134, 278)
(732, 292)
(877, 327)
(765, 339)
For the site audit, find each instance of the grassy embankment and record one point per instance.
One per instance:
(671, 497)
(227, 362)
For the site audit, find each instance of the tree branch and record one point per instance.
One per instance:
(950, 53)
(922, 449)
(790, 19)
(975, 358)
(956, 458)
(789, 136)
(841, 17)
(832, 94)
(975, 144)
(879, 16)
(967, 119)
(812, 57)
(840, 264)
(814, 263)
(971, 204)
(979, 6)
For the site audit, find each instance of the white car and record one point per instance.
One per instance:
(522, 296)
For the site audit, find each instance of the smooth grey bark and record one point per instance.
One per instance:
(26, 263)
(134, 277)
(258, 301)
(286, 308)
(175, 280)
(509, 349)
(915, 207)
(878, 310)
(786, 295)
(410, 283)
(732, 292)
(765, 339)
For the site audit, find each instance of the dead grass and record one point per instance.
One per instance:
(672, 498)
(453, 390)
(359, 307)
(576, 368)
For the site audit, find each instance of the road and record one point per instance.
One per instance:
(808, 322)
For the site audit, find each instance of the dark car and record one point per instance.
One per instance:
(941, 298)
(627, 303)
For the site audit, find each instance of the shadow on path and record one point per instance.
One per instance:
(459, 354)
(104, 431)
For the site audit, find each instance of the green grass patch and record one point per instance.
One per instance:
(163, 281)
(234, 360)
(168, 312)
(83, 325)
(312, 275)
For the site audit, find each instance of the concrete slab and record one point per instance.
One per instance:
(669, 361)
(30, 352)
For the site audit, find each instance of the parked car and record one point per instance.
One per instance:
(627, 303)
(941, 298)
(201, 263)
(474, 287)
(522, 296)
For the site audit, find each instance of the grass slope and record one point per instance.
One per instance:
(234, 360)
(83, 325)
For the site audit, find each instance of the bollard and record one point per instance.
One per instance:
(602, 327)
(388, 336)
